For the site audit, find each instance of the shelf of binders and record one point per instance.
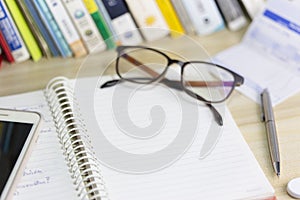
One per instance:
(33, 29)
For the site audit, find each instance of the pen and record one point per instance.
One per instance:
(268, 118)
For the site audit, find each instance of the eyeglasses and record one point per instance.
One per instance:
(205, 81)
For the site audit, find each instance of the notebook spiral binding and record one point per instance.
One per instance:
(72, 133)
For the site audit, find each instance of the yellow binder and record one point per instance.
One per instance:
(171, 17)
(25, 32)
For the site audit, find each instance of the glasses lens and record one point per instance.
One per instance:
(208, 81)
(141, 65)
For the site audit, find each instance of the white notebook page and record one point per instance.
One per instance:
(46, 175)
(229, 172)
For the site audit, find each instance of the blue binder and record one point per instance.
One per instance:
(42, 28)
(50, 24)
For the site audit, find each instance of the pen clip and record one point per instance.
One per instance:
(263, 115)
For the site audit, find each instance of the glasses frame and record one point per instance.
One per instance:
(178, 85)
(238, 79)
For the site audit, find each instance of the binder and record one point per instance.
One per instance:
(46, 50)
(108, 21)
(85, 26)
(253, 7)
(233, 14)
(183, 16)
(12, 35)
(5, 49)
(123, 22)
(66, 27)
(100, 23)
(149, 19)
(170, 17)
(51, 26)
(204, 15)
(40, 27)
(29, 40)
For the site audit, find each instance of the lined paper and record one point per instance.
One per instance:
(46, 174)
(230, 171)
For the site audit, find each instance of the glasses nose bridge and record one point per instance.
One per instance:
(171, 62)
(175, 61)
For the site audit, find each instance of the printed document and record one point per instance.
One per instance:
(269, 54)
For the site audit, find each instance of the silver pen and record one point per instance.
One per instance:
(268, 118)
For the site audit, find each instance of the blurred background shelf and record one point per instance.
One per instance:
(29, 75)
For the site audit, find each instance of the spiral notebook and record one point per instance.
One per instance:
(66, 163)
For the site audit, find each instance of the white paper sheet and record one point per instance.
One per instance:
(230, 171)
(269, 54)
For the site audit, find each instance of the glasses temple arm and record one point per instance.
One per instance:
(216, 114)
(188, 83)
(240, 80)
(140, 65)
(110, 83)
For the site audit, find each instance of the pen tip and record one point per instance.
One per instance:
(277, 168)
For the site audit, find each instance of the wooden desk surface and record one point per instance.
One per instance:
(29, 76)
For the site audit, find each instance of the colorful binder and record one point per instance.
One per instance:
(183, 16)
(100, 23)
(66, 27)
(204, 15)
(30, 41)
(34, 29)
(5, 49)
(41, 28)
(171, 17)
(85, 26)
(149, 19)
(12, 35)
(52, 27)
(108, 21)
(123, 22)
